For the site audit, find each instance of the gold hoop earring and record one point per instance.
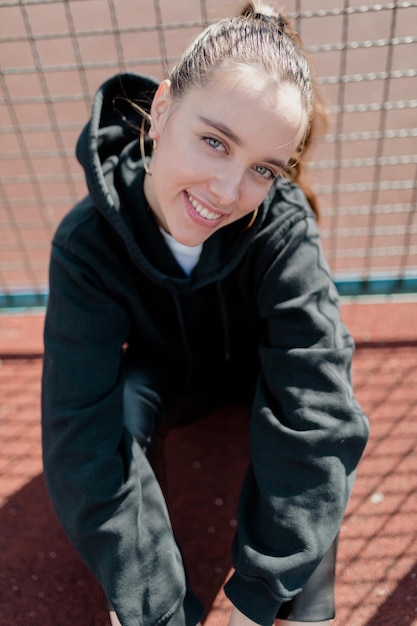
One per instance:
(253, 218)
(142, 144)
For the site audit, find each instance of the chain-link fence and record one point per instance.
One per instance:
(55, 53)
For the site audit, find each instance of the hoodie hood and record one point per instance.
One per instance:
(110, 129)
(108, 151)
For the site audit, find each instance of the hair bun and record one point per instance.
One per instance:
(260, 11)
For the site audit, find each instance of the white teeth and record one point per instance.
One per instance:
(208, 215)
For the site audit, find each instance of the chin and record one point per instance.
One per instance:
(190, 239)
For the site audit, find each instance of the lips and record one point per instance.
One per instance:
(203, 211)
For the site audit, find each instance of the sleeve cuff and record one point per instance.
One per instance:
(253, 599)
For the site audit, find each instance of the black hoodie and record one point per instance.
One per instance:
(260, 300)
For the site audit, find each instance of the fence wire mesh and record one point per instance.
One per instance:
(55, 53)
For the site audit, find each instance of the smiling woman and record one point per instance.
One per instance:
(229, 141)
(192, 276)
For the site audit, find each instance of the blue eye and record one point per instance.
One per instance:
(214, 143)
(265, 172)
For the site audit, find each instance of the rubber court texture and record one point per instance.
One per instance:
(43, 581)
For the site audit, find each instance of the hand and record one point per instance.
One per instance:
(238, 619)
(114, 621)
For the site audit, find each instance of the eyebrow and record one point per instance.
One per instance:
(222, 128)
(233, 137)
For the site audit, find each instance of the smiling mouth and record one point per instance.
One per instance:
(208, 215)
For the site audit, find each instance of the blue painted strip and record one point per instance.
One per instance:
(347, 286)
(376, 286)
(23, 300)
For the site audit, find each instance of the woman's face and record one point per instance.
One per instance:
(218, 151)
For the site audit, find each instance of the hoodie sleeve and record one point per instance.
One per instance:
(307, 431)
(96, 475)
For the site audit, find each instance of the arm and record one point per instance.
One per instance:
(97, 477)
(238, 619)
(307, 431)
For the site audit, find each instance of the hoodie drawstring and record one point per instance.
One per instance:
(183, 330)
(184, 338)
(225, 321)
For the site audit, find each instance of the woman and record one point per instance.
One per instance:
(198, 273)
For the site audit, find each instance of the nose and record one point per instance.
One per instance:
(226, 184)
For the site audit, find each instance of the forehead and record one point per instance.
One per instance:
(258, 109)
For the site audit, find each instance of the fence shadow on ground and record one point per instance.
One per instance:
(44, 582)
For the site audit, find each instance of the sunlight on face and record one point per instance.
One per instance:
(219, 149)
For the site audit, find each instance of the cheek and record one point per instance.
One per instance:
(178, 160)
(252, 194)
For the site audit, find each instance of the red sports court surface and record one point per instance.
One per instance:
(44, 583)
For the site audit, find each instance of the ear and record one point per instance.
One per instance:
(160, 107)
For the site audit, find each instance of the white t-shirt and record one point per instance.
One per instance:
(187, 256)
